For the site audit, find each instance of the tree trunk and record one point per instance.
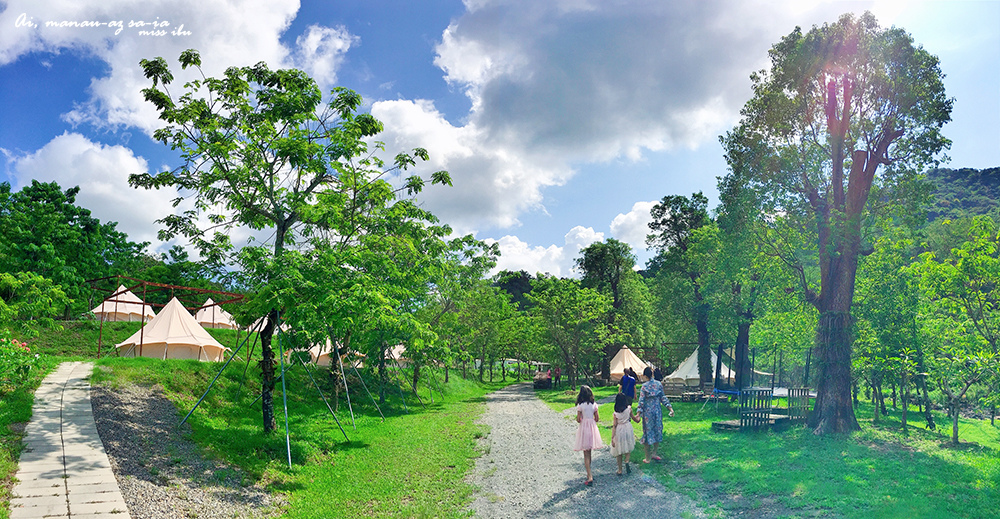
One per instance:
(383, 376)
(928, 417)
(875, 406)
(609, 352)
(416, 375)
(705, 368)
(954, 420)
(903, 397)
(742, 353)
(482, 363)
(833, 412)
(267, 372)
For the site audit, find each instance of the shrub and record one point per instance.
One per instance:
(16, 360)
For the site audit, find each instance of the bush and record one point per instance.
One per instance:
(16, 361)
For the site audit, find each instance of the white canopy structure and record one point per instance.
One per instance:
(213, 316)
(125, 306)
(687, 372)
(626, 359)
(173, 334)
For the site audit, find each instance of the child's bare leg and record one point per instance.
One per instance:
(620, 456)
(586, 464)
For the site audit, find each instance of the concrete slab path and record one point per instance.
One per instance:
(64, 471)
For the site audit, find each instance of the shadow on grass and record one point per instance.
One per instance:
(873, 472)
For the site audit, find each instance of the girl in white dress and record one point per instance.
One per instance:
(588, 437)
(622, 435)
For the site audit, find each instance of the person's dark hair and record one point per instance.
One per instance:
(631, 372)
(648, 372)
(621, 402)
(657, 374)
(586, 395)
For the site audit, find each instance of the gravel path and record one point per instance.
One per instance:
(530, 470)
(162, 474)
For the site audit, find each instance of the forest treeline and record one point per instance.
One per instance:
(963, 193)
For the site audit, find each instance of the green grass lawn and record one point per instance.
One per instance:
(874, 473)
(411, 465)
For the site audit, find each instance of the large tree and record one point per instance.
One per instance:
(607, 267)
(838, 128)
(674, 221)
(259, 149)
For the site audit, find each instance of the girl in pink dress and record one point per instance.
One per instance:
(622, 435)
(587, 436)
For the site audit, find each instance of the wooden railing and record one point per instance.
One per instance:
(755, 409)
(798, 404)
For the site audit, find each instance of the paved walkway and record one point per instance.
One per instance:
(64, 471)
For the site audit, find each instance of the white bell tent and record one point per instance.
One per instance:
(687, 373)
(123, 305)
(173, 334)
(625, 358)
(212, 315)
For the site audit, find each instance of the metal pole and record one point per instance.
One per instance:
(401, 378)
(362, 379)
(321, 395)
(284, 393)
(100, 332)
(217, 375)
(343, 376)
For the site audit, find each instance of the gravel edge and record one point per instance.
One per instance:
(163, 474)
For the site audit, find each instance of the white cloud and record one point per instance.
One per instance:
(492, 184)
(321, 51)
(558, 261)
(633, 226)
(102, 173)
(226, 32)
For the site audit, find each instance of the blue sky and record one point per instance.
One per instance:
(560, 121)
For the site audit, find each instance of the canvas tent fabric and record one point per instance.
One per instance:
(398, 352)
(125, 306)
(173, 334)
(687, 372)
(625, 358)
(213, 316)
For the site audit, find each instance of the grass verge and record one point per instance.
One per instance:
(877, 472)
(15, 411)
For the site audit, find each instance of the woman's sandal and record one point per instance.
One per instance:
(589, 482)
(657, 458)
